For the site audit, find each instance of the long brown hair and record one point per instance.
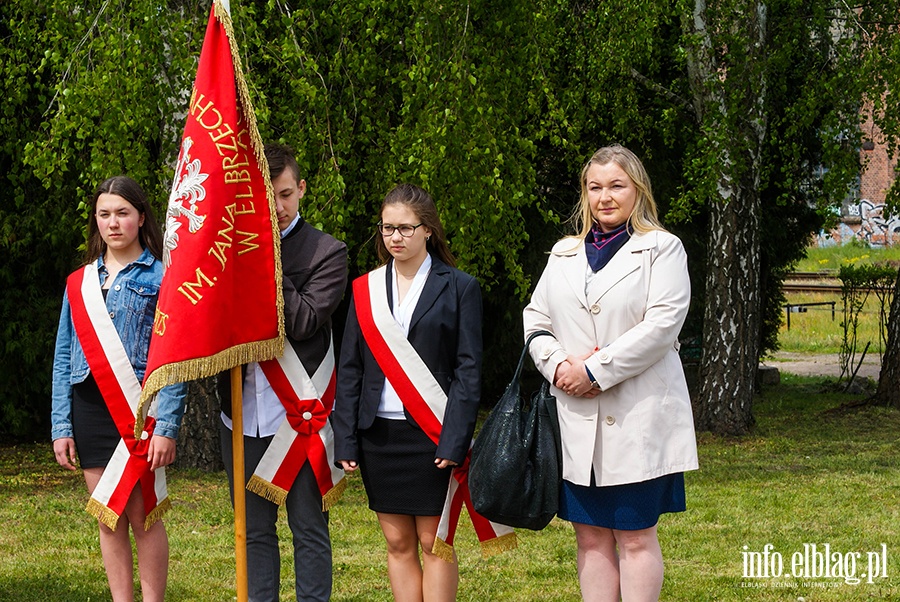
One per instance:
(643, 217)
(421, 203)
(149, 234)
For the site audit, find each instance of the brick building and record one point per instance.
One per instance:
(863, 215)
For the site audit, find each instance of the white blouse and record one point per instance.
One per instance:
(391, 407)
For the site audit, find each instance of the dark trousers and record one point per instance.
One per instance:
(307, 521)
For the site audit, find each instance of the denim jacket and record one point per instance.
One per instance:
(131, 302)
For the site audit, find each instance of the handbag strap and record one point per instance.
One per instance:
(530, 338)
(536, 334)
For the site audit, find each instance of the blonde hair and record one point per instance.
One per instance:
(643, 217)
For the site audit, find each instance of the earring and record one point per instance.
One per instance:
(428, 237)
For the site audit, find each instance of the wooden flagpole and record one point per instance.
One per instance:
(240, 490)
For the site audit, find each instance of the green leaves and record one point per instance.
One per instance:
(491, 106)
(101, 96)
(378, 92)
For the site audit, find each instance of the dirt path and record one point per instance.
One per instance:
(803, 364)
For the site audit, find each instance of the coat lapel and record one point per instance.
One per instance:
(625, 261)
(574, 268)
(438, 279)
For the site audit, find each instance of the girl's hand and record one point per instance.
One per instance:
(64, 450)
(161, 451)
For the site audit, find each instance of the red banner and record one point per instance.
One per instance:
(220, 304)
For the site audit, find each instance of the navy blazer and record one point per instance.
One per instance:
(445, 329)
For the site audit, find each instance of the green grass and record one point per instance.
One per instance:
(805, 476)
(816, 332)
(832, 258)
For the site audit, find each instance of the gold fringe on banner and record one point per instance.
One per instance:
(334, 494)
(246, 107)
(157, 514)
(267, 490)
(201, 367)
(111, 519)
(277, 495)
(489, 548)
(498, 545)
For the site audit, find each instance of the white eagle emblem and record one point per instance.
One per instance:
(187, 191)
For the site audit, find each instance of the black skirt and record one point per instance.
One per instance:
(96, 435)
(398, 471)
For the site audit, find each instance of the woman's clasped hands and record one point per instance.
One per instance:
(572, 378)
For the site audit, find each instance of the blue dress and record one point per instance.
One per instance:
(628, 507)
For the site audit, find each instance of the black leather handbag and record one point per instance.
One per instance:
(516, 466)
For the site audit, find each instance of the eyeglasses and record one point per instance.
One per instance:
(406, 230)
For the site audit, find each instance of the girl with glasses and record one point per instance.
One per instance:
(409, 383)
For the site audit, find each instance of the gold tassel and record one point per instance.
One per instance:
(267, 490)
(161, 508)
(102, 513)
(442, 550)
(498, 545)
(334, 494)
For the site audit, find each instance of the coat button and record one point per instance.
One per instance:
(118, 287)
(145, 435)
(112, 314)
(307, 415)
(595, 309)
(610, 420)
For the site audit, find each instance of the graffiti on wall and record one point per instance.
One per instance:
(866, 222)
(876, 226)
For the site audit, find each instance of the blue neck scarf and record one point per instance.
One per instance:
(601, 246)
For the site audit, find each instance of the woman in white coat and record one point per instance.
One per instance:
(615, 296)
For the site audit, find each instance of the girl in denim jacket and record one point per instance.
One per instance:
(126, 243)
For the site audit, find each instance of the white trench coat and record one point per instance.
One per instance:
(640, 426)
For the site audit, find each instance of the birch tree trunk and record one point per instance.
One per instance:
(727, 71)
(732, 322)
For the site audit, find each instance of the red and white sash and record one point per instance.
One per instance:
(121, 391)
(426, 401)
(305, 434)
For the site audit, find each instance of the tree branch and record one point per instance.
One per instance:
(74, 55)
(672, 96)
